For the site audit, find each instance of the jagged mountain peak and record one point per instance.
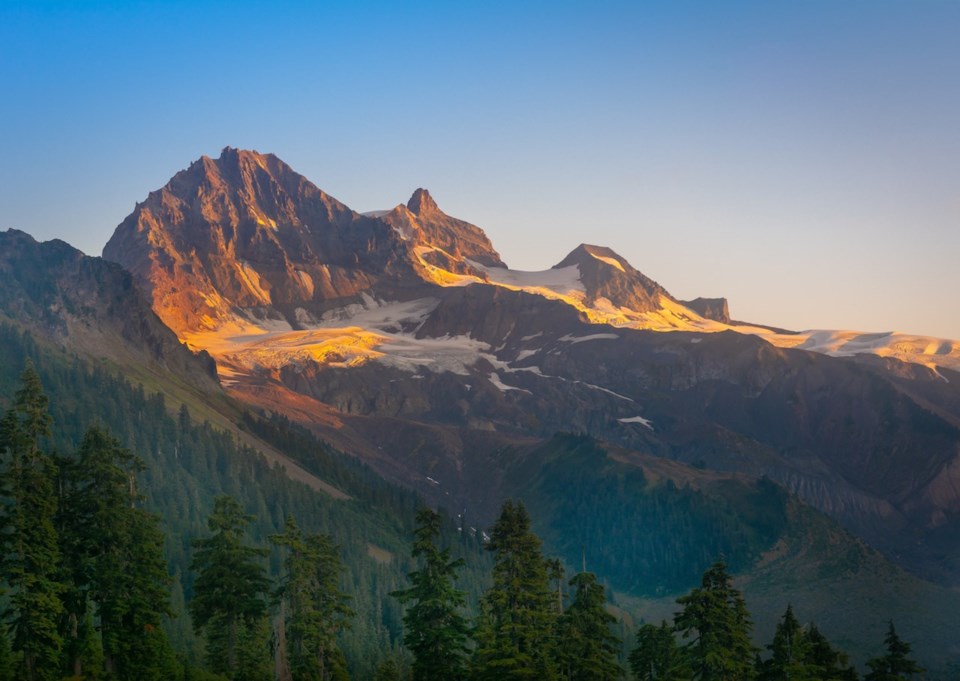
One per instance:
(588, 253)
(245, 231)
(444, 241)
(421, 203)
(606, 274)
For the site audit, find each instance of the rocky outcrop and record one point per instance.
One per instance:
(710, 308)
(605, 274)
(89, 306)
(443, 240)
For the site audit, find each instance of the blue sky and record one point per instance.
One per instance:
(800, 158)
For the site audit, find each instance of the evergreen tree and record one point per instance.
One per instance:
(229, 590)
(31, 555)
(7, 665)
(388, 670)
(790, 653)
(657, 657)
(896, 665)
(114, 563)
(514, 636)
(315, 607)
(586, 648)
(435, 631)
(715, 619)
(830, 664)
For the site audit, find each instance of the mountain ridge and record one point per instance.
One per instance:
(431, 329)
(453, 376)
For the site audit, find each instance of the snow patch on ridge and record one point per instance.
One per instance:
(613, 262)
(494, 378)
(573, 340)
(637, 419)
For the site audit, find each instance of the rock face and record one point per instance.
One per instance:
(88, 305)
(245, 236)
(605, 274)
(710, 308)
(438, 240)
(244, 231)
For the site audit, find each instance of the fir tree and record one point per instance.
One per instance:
(388, 670)
(31, 555)
(435, 631)
(715, 619)
(896, 665)
(7, 666)
(830, 664)
(586, 648)
(514, 636)
(790, 653)
(657, 657)
(316, 608)
(230, 587)
(114, 563)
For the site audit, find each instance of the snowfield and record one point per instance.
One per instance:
(381, 331)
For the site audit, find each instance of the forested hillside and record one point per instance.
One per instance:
(188, 464)
(667, 528)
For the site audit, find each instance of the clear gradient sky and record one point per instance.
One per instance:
(800, 158)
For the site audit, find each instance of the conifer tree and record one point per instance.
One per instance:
(830, 664)
(7, 672)
(790, 653)
(657, 657)
(586, 648)
(114, 563)
(715, 619)
(388, 670)
(316, 608)
(896, 665)
(230, 589)
(31, 555)
(514, 636)
(435, 630)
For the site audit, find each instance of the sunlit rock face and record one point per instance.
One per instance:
(452, 240)
(246, 232)
(710, 308)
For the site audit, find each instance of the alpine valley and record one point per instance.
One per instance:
(245, 332)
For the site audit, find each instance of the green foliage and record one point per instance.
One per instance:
(644, 537)
(714, 617)
(31, 555)
(657, 657)
(230, 587)
(790, 653)
(388, 670)
(830, 664)
(586, 648)
(435, 630)
(113, 556)
(896, 665)
(515, 632)
(314, 607)
(7, 663)
(188, 462)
